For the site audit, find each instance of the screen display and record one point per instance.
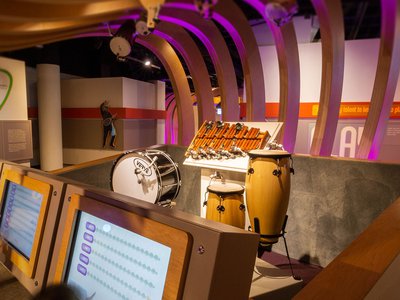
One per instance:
(110, 262)
(19, 217)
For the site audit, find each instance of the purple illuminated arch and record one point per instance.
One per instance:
(210, 36)
(230, 16)
(386, 78)
(289, 76)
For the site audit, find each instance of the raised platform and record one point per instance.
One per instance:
(270, 282)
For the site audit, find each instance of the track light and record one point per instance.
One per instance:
(205, 7)
(281, 11)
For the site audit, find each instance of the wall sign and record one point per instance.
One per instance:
(6, 82)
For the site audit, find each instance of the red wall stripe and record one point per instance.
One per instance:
(94, 113)
(348, 110)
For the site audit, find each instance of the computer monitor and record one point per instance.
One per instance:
(111, 246)
(29, 209)
(110, 253)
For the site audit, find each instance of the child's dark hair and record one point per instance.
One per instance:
(57, 292)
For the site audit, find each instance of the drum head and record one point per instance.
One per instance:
(225, 188)
(133, 177)
(269, 153)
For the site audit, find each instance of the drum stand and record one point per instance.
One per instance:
(262, 247)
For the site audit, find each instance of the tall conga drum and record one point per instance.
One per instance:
(225, 204)
(267, 192)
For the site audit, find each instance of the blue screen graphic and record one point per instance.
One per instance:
(19, 218)
(110, 262)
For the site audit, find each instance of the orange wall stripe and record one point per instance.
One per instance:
(94, 113)
(348, 110)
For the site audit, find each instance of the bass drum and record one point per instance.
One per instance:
(149, 175)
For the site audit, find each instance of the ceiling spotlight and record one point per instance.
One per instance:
(205, 7)
(153, 8)
(121, 42)
(281, 11)
(141, 24)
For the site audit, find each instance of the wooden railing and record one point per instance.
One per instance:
(356, 271)
(84, 165)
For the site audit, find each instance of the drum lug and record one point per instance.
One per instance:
(250, 171)
(204, 203)
(221, 208)
(239, 126)
(209, 125)
(292, 171)
(242, 207)
(277, 172)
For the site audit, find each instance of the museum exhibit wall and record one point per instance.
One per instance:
(331, 200)
(140, 117)
(15, 128)
(359, 74)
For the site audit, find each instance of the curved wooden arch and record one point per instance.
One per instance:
(169, 122)
(209, 34)
(170, 60)
(14, 43)
(34, 28)
(31, 21)
(25, 11)
(231, 17)
(387, 74)
(289, 76)
(330, 16)
(182, 41)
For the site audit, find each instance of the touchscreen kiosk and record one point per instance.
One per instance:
(109, 253)
(24, 209)
(111, 246)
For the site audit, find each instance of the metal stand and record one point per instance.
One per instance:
(262, 247)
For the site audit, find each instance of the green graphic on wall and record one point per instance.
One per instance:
(6, 82)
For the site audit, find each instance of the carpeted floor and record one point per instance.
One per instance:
(11, 289)
(302, 269)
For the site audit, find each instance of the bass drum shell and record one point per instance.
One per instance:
(229, 196)
(267, 195)
(134, 174)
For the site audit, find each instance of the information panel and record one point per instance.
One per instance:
(110, 262)
(19, 217)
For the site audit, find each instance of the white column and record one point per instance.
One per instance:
(49, 117)
(160, 102)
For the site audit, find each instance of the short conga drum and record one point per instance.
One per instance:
(267, 192)
(225, 204)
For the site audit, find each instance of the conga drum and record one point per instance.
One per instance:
(225, 204)
(267, 192)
